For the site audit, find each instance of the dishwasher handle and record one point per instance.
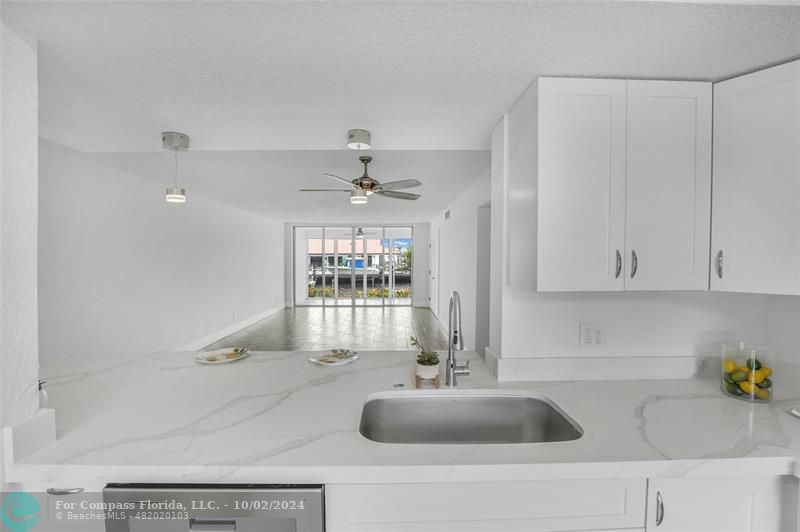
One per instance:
(200, 525)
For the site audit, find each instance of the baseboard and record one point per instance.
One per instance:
(200, 343)
(595, 368)
(29, 436)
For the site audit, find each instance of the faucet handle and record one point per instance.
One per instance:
(463, 369)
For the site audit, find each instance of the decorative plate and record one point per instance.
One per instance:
(222, 356)
(337, 357)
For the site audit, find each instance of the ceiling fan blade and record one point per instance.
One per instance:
(323, 190)
(404, 183)
(343, 180)
(397, 195)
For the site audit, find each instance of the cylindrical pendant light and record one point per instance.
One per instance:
(171, 140)
(358, 139)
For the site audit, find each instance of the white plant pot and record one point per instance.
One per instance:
(427, 372)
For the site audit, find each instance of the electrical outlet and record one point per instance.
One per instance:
(592, 334)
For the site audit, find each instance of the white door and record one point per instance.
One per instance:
(581, 180)
(434, 271)
(668, 208)
(756, 214)
(728, 504)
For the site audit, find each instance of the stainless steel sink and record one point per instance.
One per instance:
(464, 416)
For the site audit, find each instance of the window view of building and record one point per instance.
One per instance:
(344, 266)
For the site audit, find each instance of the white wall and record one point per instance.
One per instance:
(421, 267)
(483, 279)
(498, 238)
(19, 366)
(123, 272)
(458, 248)
(782, 334)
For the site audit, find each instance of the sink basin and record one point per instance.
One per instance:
(464, 416)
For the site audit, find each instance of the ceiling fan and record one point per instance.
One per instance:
(362, 187)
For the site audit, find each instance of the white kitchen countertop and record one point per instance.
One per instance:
(276, 418)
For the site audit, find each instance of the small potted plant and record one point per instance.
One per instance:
(427, 361)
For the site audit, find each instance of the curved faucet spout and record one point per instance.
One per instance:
(455, 341)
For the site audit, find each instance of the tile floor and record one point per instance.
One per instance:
(314, 329)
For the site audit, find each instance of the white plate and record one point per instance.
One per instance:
(221, 356)
(336, 357)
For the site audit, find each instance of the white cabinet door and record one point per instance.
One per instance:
(60, 511)
(668, 208)
(732, 504)
(523, 506)
(756, 215)
(581, 184)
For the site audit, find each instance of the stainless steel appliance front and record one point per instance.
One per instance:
(206, 507)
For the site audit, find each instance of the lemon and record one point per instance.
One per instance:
(729, 366)
(756, 376)
(762, 394)
(747, 387)
(743, 368)
(767, 371)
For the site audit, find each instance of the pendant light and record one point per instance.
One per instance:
(171, 140)
(358, 139)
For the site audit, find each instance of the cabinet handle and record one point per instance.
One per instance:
(212, 524)
(719, 264)
(634, 263)
(659, 508)
(619, 265)
(64, 491)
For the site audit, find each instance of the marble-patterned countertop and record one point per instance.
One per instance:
(275, 417)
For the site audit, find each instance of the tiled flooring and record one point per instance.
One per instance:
(315, 329)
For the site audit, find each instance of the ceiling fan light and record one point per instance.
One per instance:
(358, 139)
(358, 197)
(176, 195)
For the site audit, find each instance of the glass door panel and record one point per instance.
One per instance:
(340, 249)
(353, 265)
(370, 258)
(309, 278)
(399, 246)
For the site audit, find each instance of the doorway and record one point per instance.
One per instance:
(353, 266)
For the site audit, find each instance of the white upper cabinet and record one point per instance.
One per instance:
(623, 177)
(581, 184)
(668, 207)
(756, 217)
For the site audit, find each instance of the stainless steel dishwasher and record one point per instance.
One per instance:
(207, 507)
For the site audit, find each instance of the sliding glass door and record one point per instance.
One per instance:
(350, 266)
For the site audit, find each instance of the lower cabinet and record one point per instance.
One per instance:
(57, 503)
(539, 506)
(730, 504)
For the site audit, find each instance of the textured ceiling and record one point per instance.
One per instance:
(266, 182)
(252, 81)
(296, 74)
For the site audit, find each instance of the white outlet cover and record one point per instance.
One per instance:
(592, 334)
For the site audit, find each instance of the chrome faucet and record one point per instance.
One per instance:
(455, 341)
